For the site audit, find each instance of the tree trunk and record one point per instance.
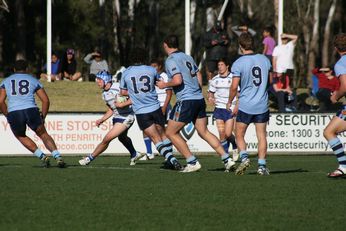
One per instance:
(20, 30)
(153, 32)
(276, 22)
(315, 38)
(210, 15)
(250, 12)
(326, 35)
(117, 46)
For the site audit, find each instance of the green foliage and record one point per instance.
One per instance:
(111, 195)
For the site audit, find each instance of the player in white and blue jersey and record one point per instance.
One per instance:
(164, 96)
(123, 118)
(251, 73)
(22, 111)
(218, 93)
(190, 106)
(338, 124)
(138, 81)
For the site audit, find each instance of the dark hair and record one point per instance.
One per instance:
(270, 29)
(245, 40)
(20, 65)
(172, 41)
(340, 42)
(224, 60)
(138, 56)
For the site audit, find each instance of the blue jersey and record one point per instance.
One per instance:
(253, 71)
(340, 66)
(180, 63)
(20, 91)
(140, 83)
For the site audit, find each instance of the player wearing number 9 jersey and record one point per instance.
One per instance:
(138, 82)
(21, 111)
(251, 73)
(186, 81)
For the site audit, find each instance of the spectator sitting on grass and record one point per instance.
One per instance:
(69, 67)
(97, 64)
(55, 69)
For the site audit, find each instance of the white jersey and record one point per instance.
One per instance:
(220, 86)
(161, 93)
(284, 57)
(110, 97)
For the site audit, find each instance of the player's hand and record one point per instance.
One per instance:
(333, 98)
(235, 110)
(161, 84)
(164, 109)
(99, 122)
(211, 100)
(119, 105)
(43, 118)
(228, 106)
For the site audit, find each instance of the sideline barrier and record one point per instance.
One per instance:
(77, 133)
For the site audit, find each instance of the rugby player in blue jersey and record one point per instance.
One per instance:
(338, 124)
(138, 81)
(21, 111)
(186, 81)
(251, 73)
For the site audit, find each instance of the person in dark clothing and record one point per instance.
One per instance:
(216, 41)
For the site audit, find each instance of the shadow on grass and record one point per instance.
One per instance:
(272, 172)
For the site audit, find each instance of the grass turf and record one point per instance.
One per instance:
(111, 195)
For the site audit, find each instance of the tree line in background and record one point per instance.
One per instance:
(117, 26)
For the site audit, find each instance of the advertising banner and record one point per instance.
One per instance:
(78, 134)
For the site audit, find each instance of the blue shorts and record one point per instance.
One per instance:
(249, 118)
(222, 114)
(187, 111)
(146, 120)
(19, 119)
(342, 113)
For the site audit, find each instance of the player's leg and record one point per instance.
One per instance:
(220, 125)
(214, 142)
(230, 137)
(244, 156)
(261, 133)
(115, 131)
(336, 126)
(127, 142)
(149, 150)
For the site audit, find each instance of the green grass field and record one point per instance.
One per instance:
(111, 195)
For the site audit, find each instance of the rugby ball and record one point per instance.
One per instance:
(121, 99)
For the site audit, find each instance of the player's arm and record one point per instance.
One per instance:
(3, 105)
(128, 102)
(211, 98)
(342, 90)
(233, 90)
(200, 79)
(175, 81)
(169, 94)
(42, 95)
(105, 117)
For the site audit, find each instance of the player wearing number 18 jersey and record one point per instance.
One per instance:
(138, 81)
(186, 81)
(251, 73)
(20, 89)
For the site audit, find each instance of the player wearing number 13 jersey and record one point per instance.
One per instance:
(251, 73)
(186, 81)
(138, 82)
(21, 111)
